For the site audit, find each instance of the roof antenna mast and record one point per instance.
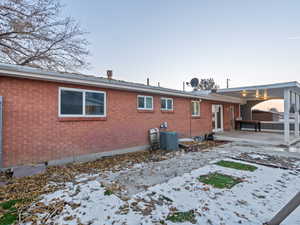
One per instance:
(227, 82)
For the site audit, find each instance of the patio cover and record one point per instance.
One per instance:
(288, 91)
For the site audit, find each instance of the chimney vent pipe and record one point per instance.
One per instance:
(109, 74)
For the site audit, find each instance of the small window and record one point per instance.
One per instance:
(81, 103)
(145, 102)
(166, 104)
(195, 108)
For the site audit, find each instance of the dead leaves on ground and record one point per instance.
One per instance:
(203, 146)
(55, 177)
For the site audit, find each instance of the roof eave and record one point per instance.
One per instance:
(64, 78)
(224, 98)
(78, 81)
(268, 86)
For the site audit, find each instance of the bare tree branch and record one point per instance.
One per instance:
(207, 84)
(33, 33)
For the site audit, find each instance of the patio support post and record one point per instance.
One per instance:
(297, 116)
(287, 115)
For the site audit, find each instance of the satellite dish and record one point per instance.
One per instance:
(194, 82)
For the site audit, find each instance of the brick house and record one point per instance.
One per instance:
(61, 117)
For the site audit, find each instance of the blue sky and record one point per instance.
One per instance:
(171, 41)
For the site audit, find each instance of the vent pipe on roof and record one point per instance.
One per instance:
(109, 74)
(227, 82)
(148, 81)
(158, 84)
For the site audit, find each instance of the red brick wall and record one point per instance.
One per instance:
(34, 133)
(228, 118)
(228, 124)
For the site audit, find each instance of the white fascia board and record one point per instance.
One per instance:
(267, 86)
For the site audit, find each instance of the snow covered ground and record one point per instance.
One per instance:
(144, 175)
(253, 201)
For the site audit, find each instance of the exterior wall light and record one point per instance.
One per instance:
(265, 94)
(244, 93)
(257, 93)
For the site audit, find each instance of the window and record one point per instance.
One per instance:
(195, 108)
(145, 102)
(81, 103)
(71, 102)
(166, 104)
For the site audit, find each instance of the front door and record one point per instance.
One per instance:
(217, 118)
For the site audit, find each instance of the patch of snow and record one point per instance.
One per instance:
(253, 201)
(185, 139)
(257, 156)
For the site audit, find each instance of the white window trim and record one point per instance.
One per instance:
(197, 115)
(144, 96)
(166, 109)
(83, 91)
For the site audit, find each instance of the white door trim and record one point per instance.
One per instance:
(221, 129)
